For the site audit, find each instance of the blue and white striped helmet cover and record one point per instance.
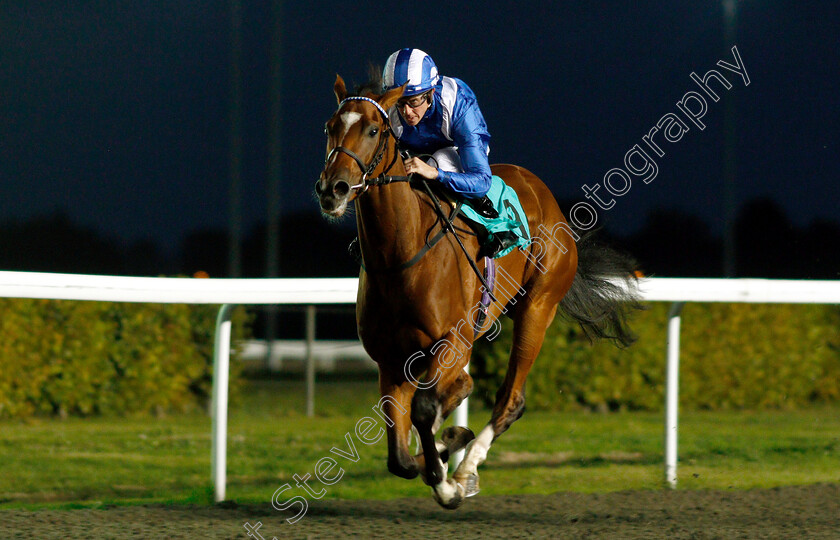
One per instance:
(413, 66)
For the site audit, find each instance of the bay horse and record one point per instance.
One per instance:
(414, 302)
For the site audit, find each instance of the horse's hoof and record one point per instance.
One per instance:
(455, 438)
(449, 494)
(470, 483)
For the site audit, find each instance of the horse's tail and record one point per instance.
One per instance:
(603, 292)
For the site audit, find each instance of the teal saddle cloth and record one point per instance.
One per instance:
(511, 215)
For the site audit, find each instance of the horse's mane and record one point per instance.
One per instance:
(374, 84)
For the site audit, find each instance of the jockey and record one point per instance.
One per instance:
(440, 116)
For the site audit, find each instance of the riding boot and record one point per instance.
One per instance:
(499, 242)
(484, 207)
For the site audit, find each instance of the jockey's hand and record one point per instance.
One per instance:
(415, 165)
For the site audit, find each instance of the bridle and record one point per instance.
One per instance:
(381, 150)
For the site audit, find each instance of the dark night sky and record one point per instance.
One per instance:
(117, 111)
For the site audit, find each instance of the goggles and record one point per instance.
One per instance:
(414, 101)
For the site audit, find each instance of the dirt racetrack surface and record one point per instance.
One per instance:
(789, 512)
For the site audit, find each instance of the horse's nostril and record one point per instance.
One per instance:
(318, 189)
(341, 188)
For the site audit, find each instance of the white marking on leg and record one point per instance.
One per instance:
(447, 490)
(348, 119)
(477, 451)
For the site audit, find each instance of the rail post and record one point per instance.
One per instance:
(310, 361)
(219, 404)
(461, 419)
(672, 377)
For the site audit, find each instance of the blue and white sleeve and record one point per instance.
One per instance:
(469, 133)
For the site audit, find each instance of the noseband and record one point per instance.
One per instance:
(381, 150)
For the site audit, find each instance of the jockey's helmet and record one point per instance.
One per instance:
(412, 66)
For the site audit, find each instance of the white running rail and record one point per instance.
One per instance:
(343, 291)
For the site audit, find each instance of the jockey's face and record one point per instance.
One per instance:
(414, 108)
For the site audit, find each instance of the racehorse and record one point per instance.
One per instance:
(417, 306)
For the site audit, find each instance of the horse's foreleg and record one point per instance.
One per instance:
(453, 438)
(530, 325)
(460, 388)
(440, 392)
(395, 406)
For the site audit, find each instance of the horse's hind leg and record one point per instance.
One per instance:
(530, 324)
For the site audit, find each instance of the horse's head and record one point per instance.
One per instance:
(356, 143)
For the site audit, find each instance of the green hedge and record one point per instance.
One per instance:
(733, 356)
(82, 358)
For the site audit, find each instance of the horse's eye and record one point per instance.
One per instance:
(373, 131)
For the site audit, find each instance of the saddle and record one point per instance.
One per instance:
(498, 218)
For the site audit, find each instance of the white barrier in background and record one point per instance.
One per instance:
(289, 355)
(682, 290)
(227, 292)
(178, 290)
(343, 291)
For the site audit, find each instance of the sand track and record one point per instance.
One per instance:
(789, 512)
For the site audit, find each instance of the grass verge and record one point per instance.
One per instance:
(98, 462)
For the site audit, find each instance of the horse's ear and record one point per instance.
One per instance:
(391, 96)
(339, 88)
